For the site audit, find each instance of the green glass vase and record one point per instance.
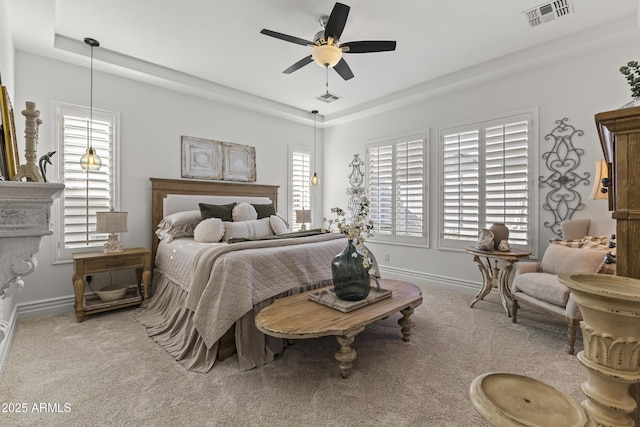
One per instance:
(351, 280)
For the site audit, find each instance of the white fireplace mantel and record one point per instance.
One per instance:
(25, 211)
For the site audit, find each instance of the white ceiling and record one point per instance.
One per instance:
(214, 48)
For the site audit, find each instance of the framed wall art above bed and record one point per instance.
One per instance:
(209, 159)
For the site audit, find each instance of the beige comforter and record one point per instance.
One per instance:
(228, 280)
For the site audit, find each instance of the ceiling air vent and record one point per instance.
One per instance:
(327, 97)
(548, 12)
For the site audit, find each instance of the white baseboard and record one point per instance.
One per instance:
(46, 307)
(5, 345)
(418, 277)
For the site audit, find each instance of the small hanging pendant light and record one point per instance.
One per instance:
(90, 160)
(314, 179)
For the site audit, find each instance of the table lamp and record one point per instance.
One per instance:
(303, 216)
(111, 222)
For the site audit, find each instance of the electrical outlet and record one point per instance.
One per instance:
(89, 278)
(386, 256)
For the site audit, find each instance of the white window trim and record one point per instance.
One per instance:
(533, 214)
(290, 213)
(59, 254)
(423, 241)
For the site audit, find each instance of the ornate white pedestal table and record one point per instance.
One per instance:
(25, 210)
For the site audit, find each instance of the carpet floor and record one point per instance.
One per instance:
(106, 371)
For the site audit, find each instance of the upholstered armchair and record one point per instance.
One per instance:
(582, 250)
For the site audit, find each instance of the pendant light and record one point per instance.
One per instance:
(314, 179)
(90, 160)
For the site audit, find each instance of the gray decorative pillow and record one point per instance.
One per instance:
(217, 211)
(265, 210)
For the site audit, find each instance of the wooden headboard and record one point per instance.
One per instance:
(161, 188)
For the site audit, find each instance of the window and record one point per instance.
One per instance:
(86, 192)
(486, 177)
(397, 187)
(299, 177)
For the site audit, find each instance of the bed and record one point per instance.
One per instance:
(206, 295)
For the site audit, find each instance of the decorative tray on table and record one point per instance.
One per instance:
(327, 296)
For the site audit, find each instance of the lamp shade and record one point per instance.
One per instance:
(326, 55)
(303, 216)
(599, 191)
(111, 222)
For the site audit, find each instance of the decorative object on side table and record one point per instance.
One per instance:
(631, 71)
(485, 239)
(352, 267)
(111, 222)
(500, 233)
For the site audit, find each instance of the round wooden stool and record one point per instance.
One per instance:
(505, 399)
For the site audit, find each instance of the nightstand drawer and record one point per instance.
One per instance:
(121, 262)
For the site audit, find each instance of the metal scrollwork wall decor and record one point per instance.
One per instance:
(562, 161)
(355, 191)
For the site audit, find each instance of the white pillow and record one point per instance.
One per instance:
(277, 225)
(562, 259)
(209, 230)
(244, 212)
(255, 229)
(179, 224)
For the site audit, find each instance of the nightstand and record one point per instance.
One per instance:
(88, 263)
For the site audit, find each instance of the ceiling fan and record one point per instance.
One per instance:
(327, 49)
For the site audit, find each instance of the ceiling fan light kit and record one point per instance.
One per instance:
(327, 49)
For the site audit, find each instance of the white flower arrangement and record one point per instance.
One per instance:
(357, 230)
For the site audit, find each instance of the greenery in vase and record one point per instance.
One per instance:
(357, 229)
(631, 71)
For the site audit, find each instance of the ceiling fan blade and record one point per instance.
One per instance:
(286, 37)
(337, 21)
(343, 69)
(298, 65)
(368, 46)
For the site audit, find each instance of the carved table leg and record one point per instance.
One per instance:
(78, 287)
(406, 323)
(503, 286)
(345, 355)
(487, 280)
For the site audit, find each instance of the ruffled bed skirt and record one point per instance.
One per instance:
(170, 324)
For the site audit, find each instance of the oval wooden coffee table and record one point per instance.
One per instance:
(296, 317)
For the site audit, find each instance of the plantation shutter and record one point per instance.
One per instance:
(300, 177)
(409, 203)
(486, 175)
(396, 185)
(507, 177)
(380, 168)
(85, 192)
(461, 185)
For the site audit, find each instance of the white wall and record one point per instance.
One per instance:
(573, 86)
(152, 121)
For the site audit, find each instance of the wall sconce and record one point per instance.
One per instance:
(303, 216)
(111, 222)
(601, 182)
